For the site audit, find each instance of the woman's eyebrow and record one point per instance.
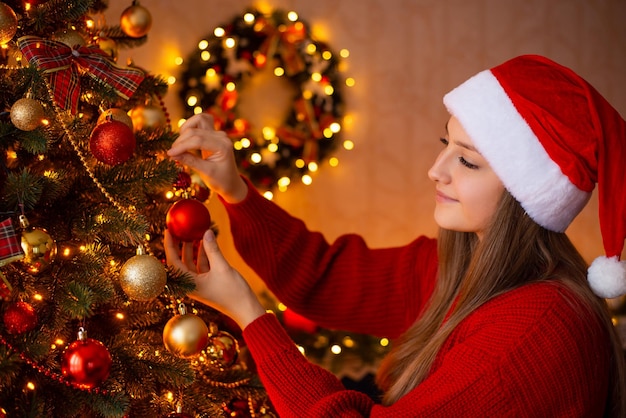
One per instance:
(466, 146)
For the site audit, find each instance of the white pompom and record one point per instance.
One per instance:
(607, 277)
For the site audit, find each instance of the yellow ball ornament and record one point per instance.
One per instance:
(109, 46)
(136, 21)
(8, 23)
(143, 277)
(115, 114)
(223, 348)
(69, 37)
(40, 249)
(148, 117)
(26, 114)
(185, 335)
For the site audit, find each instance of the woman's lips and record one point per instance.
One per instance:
(441, 197)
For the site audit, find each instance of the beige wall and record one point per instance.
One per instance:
(405, 54)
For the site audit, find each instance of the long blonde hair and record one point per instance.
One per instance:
(514, 251)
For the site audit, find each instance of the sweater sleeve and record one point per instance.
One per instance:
(531, 351)
(343, 285)
(300, 389)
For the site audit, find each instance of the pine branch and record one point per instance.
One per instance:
(22, 189)
(179, 284)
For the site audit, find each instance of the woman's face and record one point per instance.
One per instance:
(468, 190)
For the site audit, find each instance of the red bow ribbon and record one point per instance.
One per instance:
(63, 65)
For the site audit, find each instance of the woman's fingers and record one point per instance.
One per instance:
(171, 247)
(202, 264)
(187, 255)
(213, 253)
(201, 120)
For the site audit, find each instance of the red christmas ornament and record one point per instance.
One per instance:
(112, 142)
(183, 181)
(237, 408)
(86, 362)
(187, 220)
(19, 318)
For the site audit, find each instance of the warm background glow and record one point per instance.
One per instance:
(402, 57)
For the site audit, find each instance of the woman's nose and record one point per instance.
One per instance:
(437, 171)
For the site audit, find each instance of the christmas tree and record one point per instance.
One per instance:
(94, 324)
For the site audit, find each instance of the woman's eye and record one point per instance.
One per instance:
(444, 141)
(467, 163)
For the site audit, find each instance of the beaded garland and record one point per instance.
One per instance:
(230, 56)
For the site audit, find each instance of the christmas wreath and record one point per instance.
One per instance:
(279, 44)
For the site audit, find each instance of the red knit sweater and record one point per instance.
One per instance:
(531, 352)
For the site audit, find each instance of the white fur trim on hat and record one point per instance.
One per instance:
(513, 151)
(607, 277)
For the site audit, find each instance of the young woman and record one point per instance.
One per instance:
(496, 317)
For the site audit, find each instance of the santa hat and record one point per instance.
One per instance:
(550, 137)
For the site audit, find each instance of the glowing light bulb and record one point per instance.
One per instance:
(283, 182)
(192, 100)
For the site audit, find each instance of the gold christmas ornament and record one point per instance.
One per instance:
(27, 114)
(143, 277)
(223, 349)
(185, 335)
(39, 248)
(69, 37)
(109, 46)
(148, 117)
(8, 23)
(115, 114)
(136, 21)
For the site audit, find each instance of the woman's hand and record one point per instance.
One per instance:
(210, 154)
(218, 284)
